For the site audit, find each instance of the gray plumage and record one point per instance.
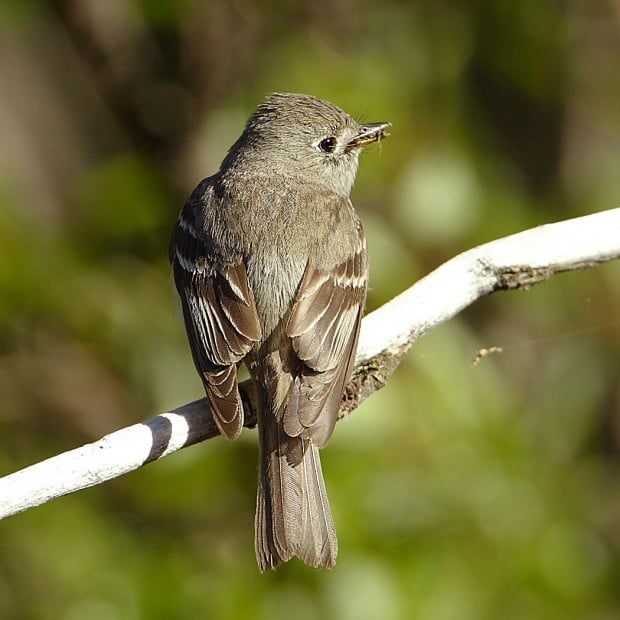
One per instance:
(270, 262)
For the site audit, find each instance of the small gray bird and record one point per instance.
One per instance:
(270, 261)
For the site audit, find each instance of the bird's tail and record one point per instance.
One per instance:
(293, 517)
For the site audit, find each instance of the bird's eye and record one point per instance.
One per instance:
(327, 145)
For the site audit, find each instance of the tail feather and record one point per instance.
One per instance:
(293, 517)
(318, 545)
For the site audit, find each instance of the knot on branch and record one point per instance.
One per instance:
(521, 276)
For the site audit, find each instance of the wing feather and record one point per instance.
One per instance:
(220, 317)
(324, 325)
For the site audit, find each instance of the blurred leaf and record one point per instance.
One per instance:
(121, 206)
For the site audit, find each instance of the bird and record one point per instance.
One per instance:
(270, 263)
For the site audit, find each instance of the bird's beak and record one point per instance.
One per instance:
(369, 132)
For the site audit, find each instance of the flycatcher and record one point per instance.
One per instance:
(270, 262)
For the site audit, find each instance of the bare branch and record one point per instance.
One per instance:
(515, 262)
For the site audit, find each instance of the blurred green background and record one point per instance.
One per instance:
(459, 493)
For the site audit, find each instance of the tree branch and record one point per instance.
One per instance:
(515, 262)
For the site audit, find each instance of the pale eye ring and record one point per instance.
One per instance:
(327, 145)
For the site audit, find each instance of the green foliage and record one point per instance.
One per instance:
(459, 492)
(121, 205)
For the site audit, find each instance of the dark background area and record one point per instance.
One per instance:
(458, 493)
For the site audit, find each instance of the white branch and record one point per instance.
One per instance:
(512, 262)
(517, 261)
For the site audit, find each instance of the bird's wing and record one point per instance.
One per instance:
(324, 326)
(221, 321)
